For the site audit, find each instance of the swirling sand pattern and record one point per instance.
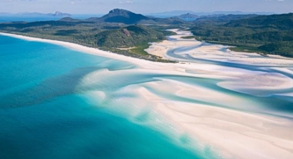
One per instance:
(238, 105)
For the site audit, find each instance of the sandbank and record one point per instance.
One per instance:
(229, 132)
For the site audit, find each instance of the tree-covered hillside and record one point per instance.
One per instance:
(128, 37)
(271, 34)
(128, 17)
(120, 16)
(131, 41)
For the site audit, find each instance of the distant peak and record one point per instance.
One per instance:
(58, 13)
(188, 15)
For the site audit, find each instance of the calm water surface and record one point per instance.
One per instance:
(42, 115)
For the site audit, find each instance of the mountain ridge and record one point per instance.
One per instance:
(128, 17)
(120, 16)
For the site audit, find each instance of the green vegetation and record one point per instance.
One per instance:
(135, 37)
(271, 34)
(130, 36)
(264, 34)
(118, 29)
(106, 36)
(127, 17)
(188, 37)
(140, 49)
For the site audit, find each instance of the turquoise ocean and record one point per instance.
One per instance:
(46, 110)
(44, 116)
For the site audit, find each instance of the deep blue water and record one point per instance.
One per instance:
(42, 116)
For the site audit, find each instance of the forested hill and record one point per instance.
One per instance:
(271, 34)
(118, 31)
(128, 17)
(283, 21)
(130, 41)
(121, 16)
(222, 19)
(128, 37)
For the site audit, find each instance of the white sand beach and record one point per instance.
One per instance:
(225, 129)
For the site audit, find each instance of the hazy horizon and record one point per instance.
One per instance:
(144, 6)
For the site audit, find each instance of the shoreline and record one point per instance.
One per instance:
(73, 46)
(229, 132)
(202, 48)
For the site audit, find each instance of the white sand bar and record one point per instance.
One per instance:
(233, 125)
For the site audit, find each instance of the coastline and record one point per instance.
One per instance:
(231, 132)
(73, 46)
(203, 50)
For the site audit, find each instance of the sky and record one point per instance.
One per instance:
(144, 6)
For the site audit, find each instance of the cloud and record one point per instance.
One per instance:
(126, 2)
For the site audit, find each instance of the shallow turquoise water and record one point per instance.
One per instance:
(45, 111)
(42, 115)
(67, 127)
